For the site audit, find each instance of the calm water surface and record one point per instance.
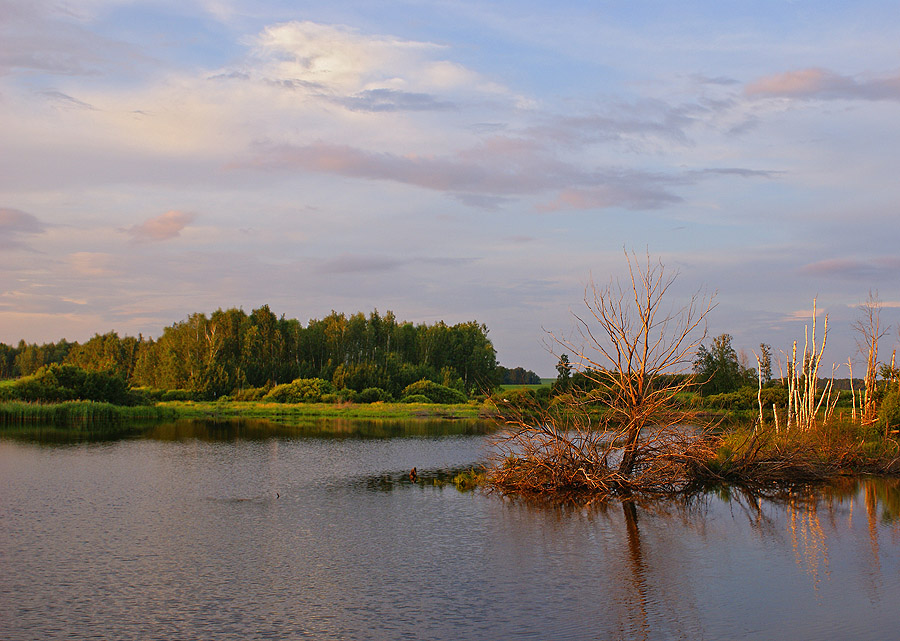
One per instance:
(200, 532)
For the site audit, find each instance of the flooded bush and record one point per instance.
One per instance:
(626, 429)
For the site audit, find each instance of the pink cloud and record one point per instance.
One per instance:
(162, 227)
(855, 269)
(822, 84)
(504, 168)
(606, 196)
(429, 172)
(13, 224)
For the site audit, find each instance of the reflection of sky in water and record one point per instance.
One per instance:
(285, 538)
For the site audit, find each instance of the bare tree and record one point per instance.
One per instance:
(804, 400)
(636, 351)
(869, 332)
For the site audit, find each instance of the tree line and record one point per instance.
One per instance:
(517, 376)
(230, 351)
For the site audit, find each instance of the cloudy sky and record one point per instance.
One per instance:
(451, 160)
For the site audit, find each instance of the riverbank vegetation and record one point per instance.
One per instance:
(643, 410)
(230, 351)
(261, 365)
(78, 414)
(299, 412)
(69, 396)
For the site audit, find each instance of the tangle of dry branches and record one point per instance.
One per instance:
(630, 431)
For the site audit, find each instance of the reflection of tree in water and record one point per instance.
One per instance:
(656, 599)
(649, 594)
(638, 583)
(877, 493)
(807, 537)
(804, 507)
(654, 573)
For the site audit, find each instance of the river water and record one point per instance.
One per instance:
(193, 531)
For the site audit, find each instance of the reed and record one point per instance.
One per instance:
(818, 452)
(79, 413)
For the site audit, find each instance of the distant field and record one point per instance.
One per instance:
(545, 382)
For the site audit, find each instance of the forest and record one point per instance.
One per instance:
(232, 352)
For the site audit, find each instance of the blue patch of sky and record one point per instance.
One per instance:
(180, 37)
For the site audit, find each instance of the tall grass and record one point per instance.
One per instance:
(78, 414)
(822, 451)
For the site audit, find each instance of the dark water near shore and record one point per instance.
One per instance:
(198, 531)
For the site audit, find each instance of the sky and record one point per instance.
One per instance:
(447, 160)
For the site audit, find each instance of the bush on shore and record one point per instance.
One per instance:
(300, 390)
(58, 383)
(435, 392)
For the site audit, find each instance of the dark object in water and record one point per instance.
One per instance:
(413, 476)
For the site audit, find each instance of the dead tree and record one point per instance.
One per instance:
(869, 332)
(633, 340)
(637, 352)
(804, 401)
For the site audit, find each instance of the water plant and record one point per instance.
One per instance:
(78, 413)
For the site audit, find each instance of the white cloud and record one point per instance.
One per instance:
(334, 58)
(299, 82)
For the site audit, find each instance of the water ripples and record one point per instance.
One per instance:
(314, 538)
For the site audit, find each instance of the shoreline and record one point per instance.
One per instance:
(88, 413)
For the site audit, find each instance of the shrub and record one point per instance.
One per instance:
(373, 395)
(775, 396)
(300, 390)
(249, 393)
(346, 395)
(520, 397)
(178, 395)
(284, 393)
(889, 412)
(146, 395)
(435, 392)
(7, 390)
(56, 383)
(415, 398)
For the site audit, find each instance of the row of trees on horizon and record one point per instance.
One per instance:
(231, 350)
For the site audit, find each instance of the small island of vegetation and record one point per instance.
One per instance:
(638, 416)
